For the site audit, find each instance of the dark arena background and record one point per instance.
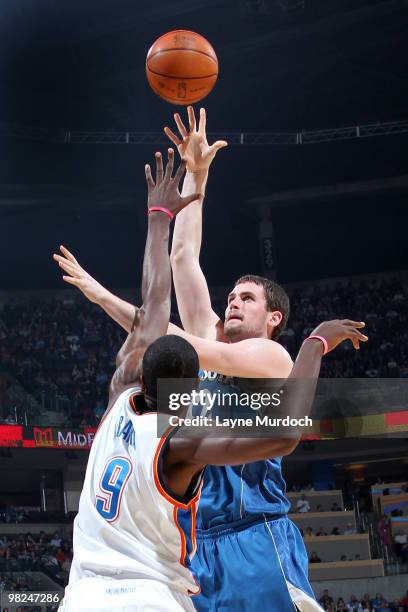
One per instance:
(312, 97)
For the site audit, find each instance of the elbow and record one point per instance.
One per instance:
(180, 254)
(177, 256)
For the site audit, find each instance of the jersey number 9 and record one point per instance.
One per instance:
(111, 486)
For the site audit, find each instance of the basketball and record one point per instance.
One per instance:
(181, 67)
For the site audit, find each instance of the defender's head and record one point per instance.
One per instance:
(168, 357)
(257, 308)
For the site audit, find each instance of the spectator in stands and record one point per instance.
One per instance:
(400, 541)
(321, 532)
(343, 558)
(50, 564)
(354, 605)
(341, 606)
(384, 530)
(396, 606)
(404, 601)
(303, 504)
(309, 532)
(319, 508)
(314, 558)
(99, 410)
(326, 599)
(66, 566)
(56, 540)
(335, 531)
(379, 602)
(350, 530)
(335, 507)
(404, 553)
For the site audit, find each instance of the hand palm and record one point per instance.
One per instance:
(192, 144)
(196, 151)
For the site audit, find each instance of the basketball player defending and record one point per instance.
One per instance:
(128, 531)
(249, 554)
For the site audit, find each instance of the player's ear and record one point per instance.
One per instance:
(274, 318)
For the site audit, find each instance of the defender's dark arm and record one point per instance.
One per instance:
(152, 319)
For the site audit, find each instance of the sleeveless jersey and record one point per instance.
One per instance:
(232, 493)
(127, 525)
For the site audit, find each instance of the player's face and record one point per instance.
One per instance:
(246, 315)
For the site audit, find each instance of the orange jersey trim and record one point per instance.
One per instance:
(158, 484)
(107, 412)
(193, 529)
(133, 405)
(183, 553)
(191, 505)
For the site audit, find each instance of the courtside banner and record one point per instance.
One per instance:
(46, 437)
(220, 406)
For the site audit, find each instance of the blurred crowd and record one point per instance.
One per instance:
(48, 553)
(65, 349)
(13, 514)
(366, 603)
(380, 303)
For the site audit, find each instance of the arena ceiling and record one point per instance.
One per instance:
(284, 65)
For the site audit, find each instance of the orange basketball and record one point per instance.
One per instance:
(181, 67)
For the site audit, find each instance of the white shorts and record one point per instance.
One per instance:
(106, 595)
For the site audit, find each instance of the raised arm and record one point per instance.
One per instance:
(152, 318)
(193, 298)
(198, 452)
(120, 311)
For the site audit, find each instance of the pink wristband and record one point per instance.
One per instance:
(161, 209)
(325, 345)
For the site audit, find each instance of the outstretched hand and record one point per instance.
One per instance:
(337, 331)
(76, 275)
(192, 144)
(164, 191)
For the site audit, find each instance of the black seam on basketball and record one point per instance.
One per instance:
(180, 78)
(159, 93)
(179, 100)
(182, 49)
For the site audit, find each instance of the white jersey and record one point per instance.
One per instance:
(128, 526)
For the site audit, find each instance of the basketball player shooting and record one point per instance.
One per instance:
(243, 526)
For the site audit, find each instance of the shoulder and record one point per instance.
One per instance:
(279, 363)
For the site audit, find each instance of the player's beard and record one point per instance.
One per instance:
(236, 333)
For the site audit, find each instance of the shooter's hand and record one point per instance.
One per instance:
(76, 275)
(337, 331)
(192, 145)
(165, 191)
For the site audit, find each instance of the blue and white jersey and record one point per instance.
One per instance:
(128, 526)
(232, 493)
